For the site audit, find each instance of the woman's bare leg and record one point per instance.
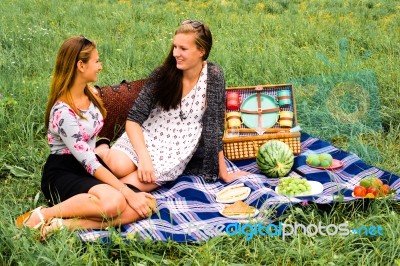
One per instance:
(133, 179)
(101, 202)
(127, 216)
(123, 168)
(101, 205)
(118, 162)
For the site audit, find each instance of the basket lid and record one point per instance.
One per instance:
(258, 110)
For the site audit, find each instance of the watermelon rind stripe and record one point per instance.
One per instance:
(275, 158)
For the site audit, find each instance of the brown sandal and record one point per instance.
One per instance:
(22, 219)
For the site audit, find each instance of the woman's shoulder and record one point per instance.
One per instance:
(212, 65)
(214, 69)
(60, 104)
(155, 74)
(61, 108)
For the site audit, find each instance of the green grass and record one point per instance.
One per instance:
(255, 42)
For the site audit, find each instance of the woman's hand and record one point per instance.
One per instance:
(223, 170)
(145, 171)
(142, 202)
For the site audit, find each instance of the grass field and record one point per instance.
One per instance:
(255, 42)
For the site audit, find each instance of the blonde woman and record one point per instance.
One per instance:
(176, 124)
(81, 191)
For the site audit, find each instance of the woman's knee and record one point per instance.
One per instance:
(130, 215)
(119, 163)
(113, 204)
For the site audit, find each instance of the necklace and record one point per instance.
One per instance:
(183, 115)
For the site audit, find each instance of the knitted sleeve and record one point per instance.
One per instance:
(205, 162)
(220, 104)
(144, 103)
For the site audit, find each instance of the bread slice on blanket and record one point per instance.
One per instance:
(238, 208)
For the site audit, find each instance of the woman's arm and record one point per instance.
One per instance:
(138, 114)
(75, 138)
(69, 136)
(136, 200)
(145, 166)
(144, 103)
(223, 170)
(221, 106)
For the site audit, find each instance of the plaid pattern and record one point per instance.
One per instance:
(188, 212)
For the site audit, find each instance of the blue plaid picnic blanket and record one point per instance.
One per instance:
(188, 211)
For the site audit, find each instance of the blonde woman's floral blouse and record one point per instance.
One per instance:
(70, 134)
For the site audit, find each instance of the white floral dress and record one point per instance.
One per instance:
(172, 136)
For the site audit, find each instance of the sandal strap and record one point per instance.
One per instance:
(58, 222)
(54, 224)
(41, 217)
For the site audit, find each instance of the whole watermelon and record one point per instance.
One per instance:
(275, 158)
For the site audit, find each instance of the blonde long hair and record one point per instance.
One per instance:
(71, 51)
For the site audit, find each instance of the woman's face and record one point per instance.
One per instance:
(186, 53)
(92, 67)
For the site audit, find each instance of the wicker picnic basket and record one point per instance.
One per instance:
(260, 124)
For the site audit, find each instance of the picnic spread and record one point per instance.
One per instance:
(189, 203)
(191, 210)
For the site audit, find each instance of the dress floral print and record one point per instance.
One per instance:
(70, 134)
(172, 136)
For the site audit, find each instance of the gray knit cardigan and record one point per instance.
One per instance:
(205, 160)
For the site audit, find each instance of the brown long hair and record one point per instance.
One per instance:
(71, 51)
(168, 79)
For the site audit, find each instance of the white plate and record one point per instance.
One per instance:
(241, 216)
(233, 193)
(316, 188)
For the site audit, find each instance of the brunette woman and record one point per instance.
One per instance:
(176, 124)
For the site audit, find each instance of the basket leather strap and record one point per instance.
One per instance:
(264, 111)
(260, 111)
(283, 97)
(259, 108)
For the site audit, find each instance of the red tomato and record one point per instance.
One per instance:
(373, 190)
(384, 189)
(360, 191)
